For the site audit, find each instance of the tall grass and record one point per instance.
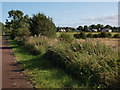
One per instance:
(94, 65)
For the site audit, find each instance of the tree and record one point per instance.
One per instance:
(93, 26)
(80, 28)
(99, 27)
(108, 26)
(42, 25)
(86, 28)
(2, 28)
(18, 25)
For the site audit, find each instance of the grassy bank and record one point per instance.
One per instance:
(40, 71)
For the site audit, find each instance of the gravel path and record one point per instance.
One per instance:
(12, 76)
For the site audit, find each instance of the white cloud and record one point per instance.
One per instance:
(108, 19)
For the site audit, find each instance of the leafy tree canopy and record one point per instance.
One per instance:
(18, 24)
(42, 25)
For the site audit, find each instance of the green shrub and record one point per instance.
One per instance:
(67, 37)
(76, 35)
(31, 48)
(90, 35)
(91, 64)
(81, 35)
(109, 35)
(103, 35)
(116, 36)
(95, 35)
(36, 45)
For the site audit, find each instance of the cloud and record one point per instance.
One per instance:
(109, 19)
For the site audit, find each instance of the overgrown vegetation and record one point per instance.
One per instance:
(42, 72)
(93, 65)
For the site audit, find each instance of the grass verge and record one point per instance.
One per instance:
(41, 72)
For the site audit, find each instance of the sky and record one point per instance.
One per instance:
(72, 14)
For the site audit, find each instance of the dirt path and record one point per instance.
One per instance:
(12, 76)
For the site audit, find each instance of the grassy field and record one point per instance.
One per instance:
(72, 33)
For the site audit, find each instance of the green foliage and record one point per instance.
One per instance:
(80, 28)
(88, 63)
(90, 35)
(36, 46)
(108, 26)
(3, 29)
(105, 34)
(86, 28)
(93, 65)
(67, 37)
(18, 26)
(109, 35)
(116, 36)
(81, 35)
(42, 25)
(93, 26)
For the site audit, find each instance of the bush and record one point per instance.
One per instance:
(109, 35)
(81, 35)
(116, 36)
(36, 45)
(95, 35)
(67, 37)
(76, 35)
(90, 35)
(93, 65)
(31, 48)
(103, 35)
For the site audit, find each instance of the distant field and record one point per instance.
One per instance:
(112, 42)
(72, 33)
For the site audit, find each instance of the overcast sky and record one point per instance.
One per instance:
(68, 13)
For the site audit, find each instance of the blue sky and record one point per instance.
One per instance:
(68, 13)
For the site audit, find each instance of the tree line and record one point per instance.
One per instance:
(86, 28)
